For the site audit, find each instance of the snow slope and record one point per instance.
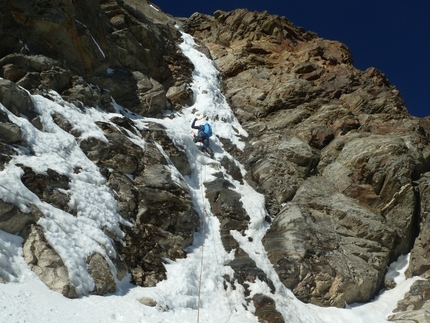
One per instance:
(194, 290)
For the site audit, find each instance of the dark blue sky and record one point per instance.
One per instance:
(391, 35)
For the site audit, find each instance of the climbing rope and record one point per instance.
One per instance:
(203, 223)
(203, 243)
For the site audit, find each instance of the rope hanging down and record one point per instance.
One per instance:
(203, 243)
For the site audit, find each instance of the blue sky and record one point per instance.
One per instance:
(393, 36)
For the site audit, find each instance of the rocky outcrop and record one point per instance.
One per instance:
(327, 248)
(15, 98)
(97, 54)
(13, 220)
(49, 188)
(82, 49)
(333, 150)
(227, 207)
(160, 209)
(103, 279)
(265, 309)
(415, 307)
(47, 264)
(420, 261)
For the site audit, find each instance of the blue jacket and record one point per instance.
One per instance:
(201, 136)
(201, 128)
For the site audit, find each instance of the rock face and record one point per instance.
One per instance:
(93, 54)
(343, 167)
(13, 220)
(81, 49)
(328, 248)
(161, 210)
(47, 264)
(333, 150)
(420, 264)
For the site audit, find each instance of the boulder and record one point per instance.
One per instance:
(13, 220)
(45, 262)
(147, 301)
(49, 187)
(10, 132)
(157, 188)
(15, 99)
(265, 309)
(100, 272)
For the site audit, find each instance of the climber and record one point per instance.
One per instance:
(203, 133)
